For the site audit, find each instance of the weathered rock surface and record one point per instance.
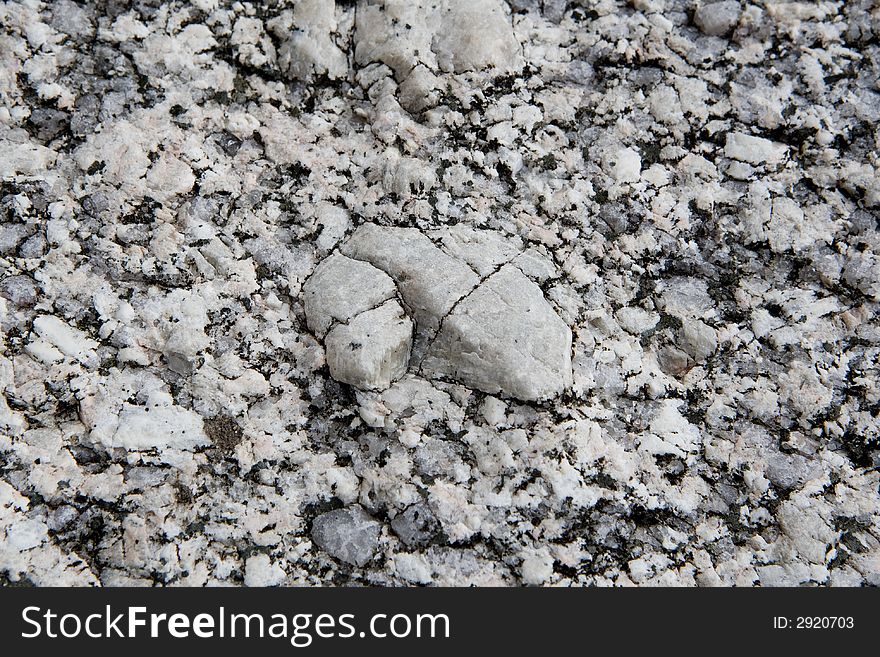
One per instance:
(483, 250)
(309, 49)
(695, 191)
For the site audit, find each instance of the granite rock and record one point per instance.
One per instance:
(690, 187)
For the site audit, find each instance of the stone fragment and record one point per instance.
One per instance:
(223, 432)
(11, 235)
(70, 340)
(754, 150)
(673, 361)
(20, 290)
(504, 337)
(158, 426)
(498, 334)
(537, 568)
(341, 288)
(350, 535)
(416, 526)
(718, 18)
(419, 90)
(392, 32)
(372, 350)
(429, 280)
(260, 571)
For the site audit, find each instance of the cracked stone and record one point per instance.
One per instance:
(429, 280)
(341, 288)
(504, 338)
(482, 250)
(350, 535)
(372, 350)
(479, 319)
(422, 42)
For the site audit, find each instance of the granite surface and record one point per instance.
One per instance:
(597, 280)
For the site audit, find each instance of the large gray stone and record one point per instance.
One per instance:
(504, 337)
(350, 535)
(479, 320)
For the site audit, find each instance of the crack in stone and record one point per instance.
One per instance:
(456, 304)
(426, 282)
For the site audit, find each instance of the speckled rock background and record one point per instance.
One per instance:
(703, 182)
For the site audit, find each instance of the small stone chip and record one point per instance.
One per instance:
(350, 535)
(754, 150)
(718, 18)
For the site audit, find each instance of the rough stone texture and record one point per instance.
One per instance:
(350, 535)
(701, 212)
(19, 290)
(473, 35)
